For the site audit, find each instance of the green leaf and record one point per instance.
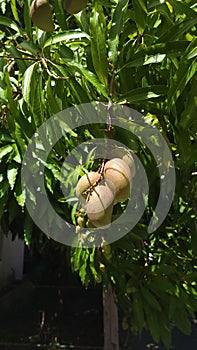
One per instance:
(27, 18)
(165, 333)
(152, 320)
(5, 137)
(37, 105)
(175, 31)
(31, 47)
(28, 225)
(138, 312)
(4, 188)
(116, 29)
(12, 172)
(181, 320)
(96, 275)
(14, 10)
(91, 77)
(156, 53)
(67, 36)
(5, 21)
(5, 150)
(98, 44)
(191, 50)
(183, 75)
(182, 8)
(3, 202)
(19, 193)
(150, 299)
(16, 53)
(52, 99)
(144, 93)
(140, 15)
(58, 6)
(28, 85)
(11, 102)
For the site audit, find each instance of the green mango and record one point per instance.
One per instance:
(41, 15)
(74, 6)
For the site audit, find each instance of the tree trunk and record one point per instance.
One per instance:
(110, 318)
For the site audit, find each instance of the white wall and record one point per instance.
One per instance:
(11, 259)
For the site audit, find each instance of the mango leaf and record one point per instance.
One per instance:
(31, 47)
(27, 18)
(67, 36)
(140, 15)
(91, 77)
(14, 10)
(152, 320)
(181, 320)
(183, 75)
(96, 275)
(19, 193)
(156, 53)
(138, 312)
(5, 150)
(116, 29)
(16, 53)
(191, 50)
(37, 106)
(144, 93)
(58, 6)
(12, 172)
(150, 299)
(182, 8)
(4, 188)
(98, 44)
(3, 202)
(4, 137)
(188, 115)
(165, 332)
(175, 31)
(5, 21)
(51, 98)
(28, 85)
(11, 102)
(28, 225)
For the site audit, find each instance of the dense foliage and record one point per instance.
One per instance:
(140, 53)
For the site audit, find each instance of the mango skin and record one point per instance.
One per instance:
(117, 172)
(85, 182)
(99, 206)
(74, 6)
(122, 153)
(41, 15)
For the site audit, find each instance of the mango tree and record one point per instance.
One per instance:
(137, 54)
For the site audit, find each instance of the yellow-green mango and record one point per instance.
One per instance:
(74, 6)
(41, 15)
(99, 206)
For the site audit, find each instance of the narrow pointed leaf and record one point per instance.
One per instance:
(184, 74)
(5, 21)
(116, 29)
(98, 44)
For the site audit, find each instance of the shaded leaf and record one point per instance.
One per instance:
(98, 44)
(144, 93)
(5, 21)
(116, 29)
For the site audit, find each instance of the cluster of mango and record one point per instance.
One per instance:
(99, 192)
(41, 12)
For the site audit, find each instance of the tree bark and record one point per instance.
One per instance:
(110, 318)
